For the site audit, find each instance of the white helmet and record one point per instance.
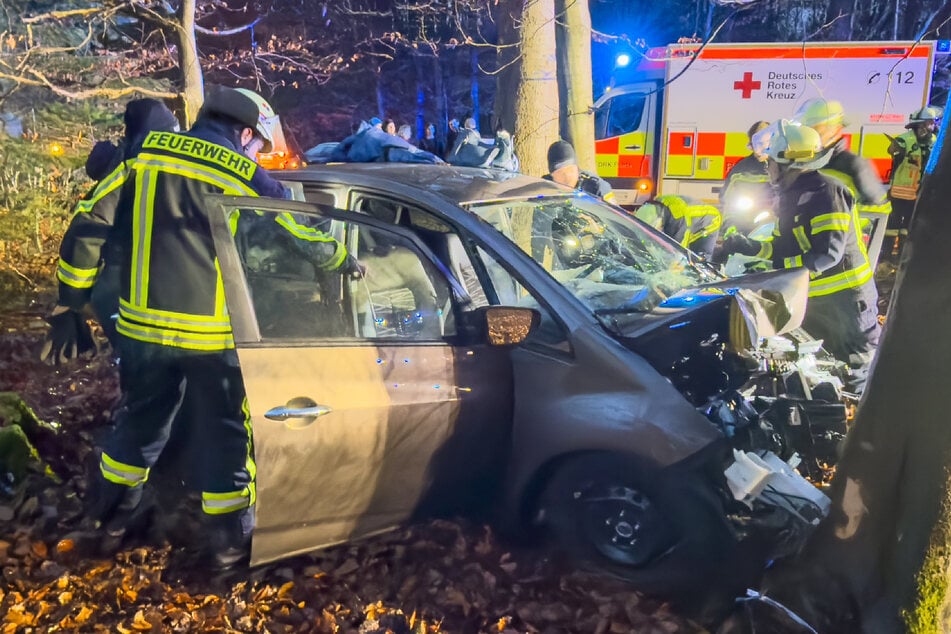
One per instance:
(793, 144)
(246, 107)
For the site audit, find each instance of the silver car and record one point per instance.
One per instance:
(513, 344)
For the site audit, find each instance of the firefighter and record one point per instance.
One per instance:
(817, 228)
(871, 196)
(910, 152)
(695, 227)
(175, 336)
(563, 169)
(91, 219)
(747, 190)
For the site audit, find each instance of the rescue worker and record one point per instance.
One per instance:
(858, 174)
(817, 228)
(910, 152)
(176, 343)
(747, 191)
(563, 169)
(91, 224)
(694, 227)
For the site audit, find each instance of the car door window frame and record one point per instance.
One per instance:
(247, 331)
(471, 246)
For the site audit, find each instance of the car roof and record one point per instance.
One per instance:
(458, 185)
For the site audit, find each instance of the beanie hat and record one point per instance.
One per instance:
(100, 159)
(376, 121)
(560, 154)
(146, 115)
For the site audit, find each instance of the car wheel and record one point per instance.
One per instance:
(623, 519)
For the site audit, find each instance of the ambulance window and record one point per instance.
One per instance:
(625, 114)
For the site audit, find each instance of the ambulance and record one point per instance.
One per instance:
(679, 125)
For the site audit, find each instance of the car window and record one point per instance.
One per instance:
(625, 114)
(301, 287)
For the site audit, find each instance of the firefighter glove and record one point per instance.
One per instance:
(69, 336)
(353, 267)
(738, 243)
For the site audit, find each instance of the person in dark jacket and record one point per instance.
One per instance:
(747, 191)
(858, 174)
(563, 169)
(107, 164)
(817, 228)
(429, 142)
(175, 342)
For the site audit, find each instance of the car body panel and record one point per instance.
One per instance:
(409, 419)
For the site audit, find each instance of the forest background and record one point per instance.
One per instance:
(67, 68)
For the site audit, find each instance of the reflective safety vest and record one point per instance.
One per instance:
(748, 178)
(818, 228)
(906, 175)
(863, 182)
(171, 291)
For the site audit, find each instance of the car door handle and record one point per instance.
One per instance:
(632, 147)
(283, 412)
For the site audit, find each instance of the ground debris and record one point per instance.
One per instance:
(437, 576)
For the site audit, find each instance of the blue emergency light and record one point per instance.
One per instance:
(943, 46)
(622, 60)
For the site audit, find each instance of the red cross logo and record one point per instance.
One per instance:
(747, 86)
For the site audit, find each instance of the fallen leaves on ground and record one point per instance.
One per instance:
(434, 576)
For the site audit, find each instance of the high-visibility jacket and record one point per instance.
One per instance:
(858, 174)
(171, 291)
(748, 178)
(818, 228)
(686, 223)
(909, 156)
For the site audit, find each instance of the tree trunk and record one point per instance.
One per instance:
(508, 65)
(193, 85)
(575, 73)
(887, 542)
(536, 98)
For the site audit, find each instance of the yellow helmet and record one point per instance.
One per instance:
(820, 111)
(794, 144)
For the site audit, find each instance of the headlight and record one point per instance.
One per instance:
(743, 203)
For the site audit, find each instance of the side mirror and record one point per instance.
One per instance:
(509, 325)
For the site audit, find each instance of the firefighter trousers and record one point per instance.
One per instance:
(847, 323)
(204, 394)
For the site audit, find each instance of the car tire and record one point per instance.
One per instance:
(664, 533)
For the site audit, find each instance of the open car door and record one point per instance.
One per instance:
(362, 391)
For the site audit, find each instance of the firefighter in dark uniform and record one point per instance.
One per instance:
(910, 152)
(817, 228)
(747, 191)
(108, 164)
(176, 343)
(563, 169)
(695, 227)
(858, 174)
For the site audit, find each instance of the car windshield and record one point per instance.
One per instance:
(608, 260)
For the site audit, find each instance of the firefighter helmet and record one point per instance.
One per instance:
(794, 144)
(820, 111)
(927, 114)
(247, 108)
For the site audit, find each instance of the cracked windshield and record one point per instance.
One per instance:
(607, 260)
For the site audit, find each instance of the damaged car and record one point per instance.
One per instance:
(520, 346)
